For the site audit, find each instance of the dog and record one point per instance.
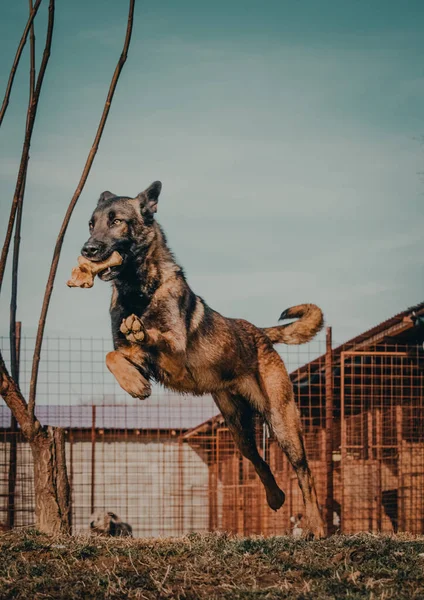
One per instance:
(108, 523)
(163, 331)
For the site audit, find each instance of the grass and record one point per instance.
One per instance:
(211, 566)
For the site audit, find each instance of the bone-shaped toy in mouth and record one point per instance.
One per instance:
(83, 275)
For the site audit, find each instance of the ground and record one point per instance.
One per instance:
(211, 566)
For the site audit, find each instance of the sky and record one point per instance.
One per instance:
(288, 136)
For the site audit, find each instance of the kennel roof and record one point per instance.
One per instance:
(185, 414)
(403, 329)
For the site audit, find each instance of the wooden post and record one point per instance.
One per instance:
(329, 502)
(13, 447)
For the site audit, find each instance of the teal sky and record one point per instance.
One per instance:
(287, 135)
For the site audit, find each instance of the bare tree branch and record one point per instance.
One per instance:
(17, 59)
(17, 238)
(27, 142)
(80, 187)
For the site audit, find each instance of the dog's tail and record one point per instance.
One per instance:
(310, 322)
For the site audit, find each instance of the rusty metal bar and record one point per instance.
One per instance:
(213, 485)
(372, 353)
(343, 441)
(93, 456)
(329, 503)
(399, 454)
(13, 448)
(71, 469)
(378, 482)
(180, 507)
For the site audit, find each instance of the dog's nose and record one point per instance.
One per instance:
(89, 250)
(92, 525)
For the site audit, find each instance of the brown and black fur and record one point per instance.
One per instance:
(162, 331)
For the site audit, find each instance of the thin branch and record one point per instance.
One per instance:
(14, 293)
(17, 238)
(27, 142)
(75, 197)
(17, 59)
(32, 55)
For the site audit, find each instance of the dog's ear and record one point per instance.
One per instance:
(149, 199)
(105, 196)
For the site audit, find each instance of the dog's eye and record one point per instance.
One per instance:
(116, 221)
(90, 225)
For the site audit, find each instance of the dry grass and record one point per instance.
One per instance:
(211, 566)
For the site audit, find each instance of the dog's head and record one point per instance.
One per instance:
(121, 223)
(104, 523)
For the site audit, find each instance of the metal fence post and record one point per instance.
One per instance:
(180, 507)
(329, 502)
(71, 469)
(93, 456)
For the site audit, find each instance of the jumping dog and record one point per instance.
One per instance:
(163, 331)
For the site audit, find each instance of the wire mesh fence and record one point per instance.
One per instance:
(382, 442)
(168, 465)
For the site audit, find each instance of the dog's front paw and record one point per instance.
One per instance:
(128, 376)
(138, 387)
(134, 384)
(133, 329)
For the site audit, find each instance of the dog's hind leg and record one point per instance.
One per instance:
(283, 418)
(238, 416)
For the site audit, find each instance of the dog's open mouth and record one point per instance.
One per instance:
(109, 273)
